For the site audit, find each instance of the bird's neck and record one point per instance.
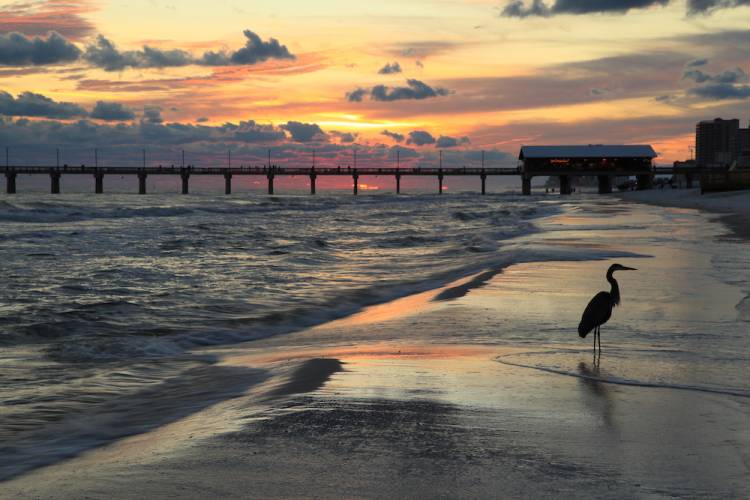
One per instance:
(615, 292)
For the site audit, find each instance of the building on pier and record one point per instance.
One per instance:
(602, 161)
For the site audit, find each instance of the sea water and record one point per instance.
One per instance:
(106, 302)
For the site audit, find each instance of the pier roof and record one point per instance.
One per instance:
(588, 151)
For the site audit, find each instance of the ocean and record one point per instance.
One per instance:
(110, 305)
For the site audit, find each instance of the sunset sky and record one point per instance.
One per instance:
(297, 75)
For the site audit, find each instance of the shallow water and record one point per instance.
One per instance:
(107, 302)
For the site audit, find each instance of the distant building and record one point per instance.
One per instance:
(743, 137)
(718, 142)
(685, 164)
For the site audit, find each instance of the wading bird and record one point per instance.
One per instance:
(599, 309)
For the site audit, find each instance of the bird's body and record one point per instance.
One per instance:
(600, 308)
(596, 314)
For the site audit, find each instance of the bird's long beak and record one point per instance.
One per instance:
(628, 268)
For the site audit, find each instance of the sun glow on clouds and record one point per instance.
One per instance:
(360, 125)
(573, 78)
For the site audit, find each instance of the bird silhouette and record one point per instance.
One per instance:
(599, 309)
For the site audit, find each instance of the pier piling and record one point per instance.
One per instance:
(313, 176)
(440, 183)
(98, 183)
(10, 182)
(55, 182)
(185, 176)
(483, 176)
(605, 184)
(398, 183)
(526, 186)
(270, 183)
(355, 178)
(565, 186)
(142, 182)
(227, 183)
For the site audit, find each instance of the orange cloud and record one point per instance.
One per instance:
(40, 17)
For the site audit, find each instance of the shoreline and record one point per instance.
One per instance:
(731, 207)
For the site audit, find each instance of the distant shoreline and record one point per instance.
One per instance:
(733, 207)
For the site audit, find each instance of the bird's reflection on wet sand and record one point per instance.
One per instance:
(593, 385)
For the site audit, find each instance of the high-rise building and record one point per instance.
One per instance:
(717, 142)
(743, 137)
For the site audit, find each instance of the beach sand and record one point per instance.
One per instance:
(416, 398)
(733, 205)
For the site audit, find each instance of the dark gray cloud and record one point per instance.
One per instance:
(18, 50)
(304, 132)
(393, 135)
(543, 8)
(517, 8)
(344, 137)
(252, 132)
(415, 90)
(37, 105)
(728, 84)
(445, 141)
(202, 119)
(666, 98)
(255, 51)
(104, 54)
(420, 138)
(708, 6)
(423, 49)
(594, 6)
(697, 63)
(152, 114)
(356, 95)
(696, 75)
(122, 144)
(112, 111)
(735, 75)
(390, 69)
(721, 91)
(137, 134)
(539, 8)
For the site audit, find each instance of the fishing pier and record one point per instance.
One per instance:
(564, 162)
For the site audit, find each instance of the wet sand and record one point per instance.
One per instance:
(427, 424)
(418, 398)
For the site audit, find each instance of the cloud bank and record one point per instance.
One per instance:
(541, 8)
(17, 49)
(37, 105)
(112, 111)
(415, 90)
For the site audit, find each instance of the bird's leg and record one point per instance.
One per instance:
(599, 336)
(594, 341)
